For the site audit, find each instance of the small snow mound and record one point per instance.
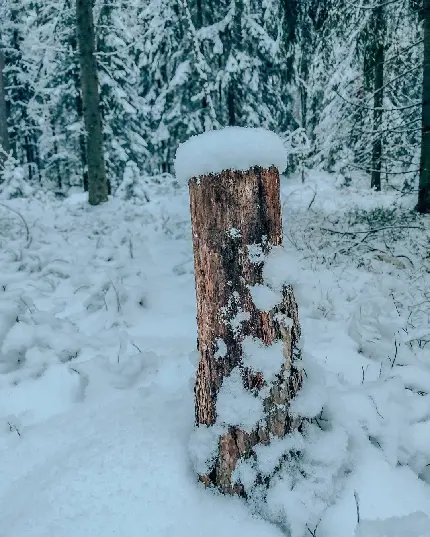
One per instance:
(264, 298)
(237, 406)
(232, 148)
(203, 447)
(266, 359)
(415, 525)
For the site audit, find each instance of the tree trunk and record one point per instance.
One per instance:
(82, 142)
(424, 181)
(231, 105)
(97, 183)
(378, 100)
(4, 135)
(234, 214)
(56, 159)
(304, 75)
(80, 113)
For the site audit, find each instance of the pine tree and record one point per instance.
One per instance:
(244, 50)
(120, 45)
(49, 51)
(168, 82)
(17, 17)
(357, 121)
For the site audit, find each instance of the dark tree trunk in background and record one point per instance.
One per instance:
(304, 95)
(229, 212)
(231, 106)
(199, 15)
(291, 10)
(82, 142)
(97, 183)
(424, 181)
(4, 135)
(80, 112)
(233, 42)
(378, 99)
(57, 161)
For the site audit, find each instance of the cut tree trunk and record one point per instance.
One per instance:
(236, 220)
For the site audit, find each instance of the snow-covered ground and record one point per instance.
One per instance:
(98, 332)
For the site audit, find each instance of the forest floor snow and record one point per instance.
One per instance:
(97, 334)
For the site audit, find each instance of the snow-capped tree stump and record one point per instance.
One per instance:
(236, 220)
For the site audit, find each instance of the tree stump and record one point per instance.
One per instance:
(236, 220)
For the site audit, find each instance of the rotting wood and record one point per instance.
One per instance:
(236, 220)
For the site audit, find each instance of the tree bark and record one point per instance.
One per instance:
(378, 100)
(234, 213)
(4, 134)
(231, 105)
(80, 113)
(97, 183)
(424, 180)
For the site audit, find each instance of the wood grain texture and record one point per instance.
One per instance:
(234, 214)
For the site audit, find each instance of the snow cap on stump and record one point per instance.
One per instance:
(232, 148)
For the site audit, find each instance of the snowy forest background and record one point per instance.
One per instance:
(97, 300)
(169, 69)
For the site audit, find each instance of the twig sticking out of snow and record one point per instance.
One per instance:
(357, 504)
(368, 231)
(27, 229)
(13, 427)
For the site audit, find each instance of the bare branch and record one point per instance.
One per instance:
(364, 107)
(371, 6)
(27, 229)
(357, 504)
(387, 60)
(368, 231)
(312, 200)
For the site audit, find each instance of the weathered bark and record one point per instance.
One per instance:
(4, 134)
(233, 214)
(378, 99)
(424, 181)
(97, 183)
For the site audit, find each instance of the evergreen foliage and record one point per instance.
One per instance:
(169, 69)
